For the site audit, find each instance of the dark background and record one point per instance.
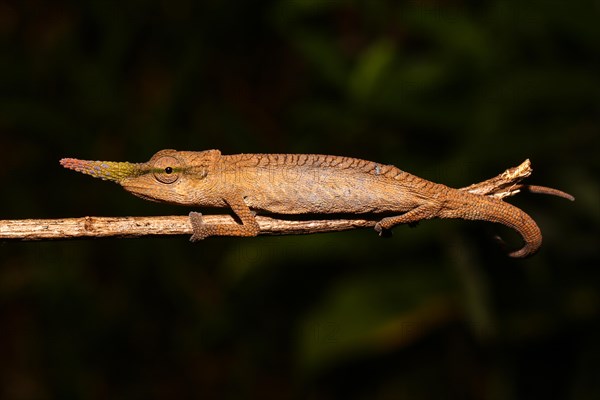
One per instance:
(453, 91)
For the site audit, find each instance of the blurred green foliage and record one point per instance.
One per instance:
(453, 91)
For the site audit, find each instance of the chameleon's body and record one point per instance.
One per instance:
(301, 184)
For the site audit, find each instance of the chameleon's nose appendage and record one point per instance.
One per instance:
(106, 170)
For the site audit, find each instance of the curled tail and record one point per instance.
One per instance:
(470, 206)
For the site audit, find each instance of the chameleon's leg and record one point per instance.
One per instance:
(249, 225)
(410, 217)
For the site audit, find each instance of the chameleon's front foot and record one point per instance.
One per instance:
(202, 230)
(199, 228)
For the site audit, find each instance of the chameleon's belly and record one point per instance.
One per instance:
(325, 192)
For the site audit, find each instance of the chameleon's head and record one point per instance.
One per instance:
(167, 177)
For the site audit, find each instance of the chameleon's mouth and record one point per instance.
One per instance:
(141, 193)
(150, 189)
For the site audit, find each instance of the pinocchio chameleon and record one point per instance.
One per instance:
(311, 184)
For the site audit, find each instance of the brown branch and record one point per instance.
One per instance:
(503, 185)
(128, 227)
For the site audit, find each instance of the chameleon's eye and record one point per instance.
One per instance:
(166, 169)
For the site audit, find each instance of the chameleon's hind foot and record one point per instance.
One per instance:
(411, 218)
(383, 232)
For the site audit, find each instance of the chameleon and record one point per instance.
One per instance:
(311, 184)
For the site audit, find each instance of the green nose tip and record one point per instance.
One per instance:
(107, 170)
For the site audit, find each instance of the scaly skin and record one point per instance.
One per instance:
(301, 184)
